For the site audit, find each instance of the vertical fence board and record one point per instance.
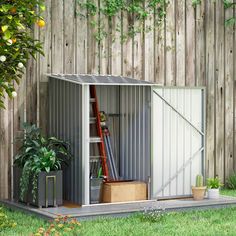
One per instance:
(116, 49)
(127, 48)
(69, 32)
(190, 44)
(149, 49)
(81, 39)
(159, 52)
(200, 45)
(93, 46)
(210, 72)
(138, 55)
(45, 63)
(220, 90)
(229, 96)
(57, 36)
(180, 42)
(104, 44)
(170, 47)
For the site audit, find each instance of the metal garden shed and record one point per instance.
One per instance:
(158, 132)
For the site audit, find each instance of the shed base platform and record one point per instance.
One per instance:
(121, 209)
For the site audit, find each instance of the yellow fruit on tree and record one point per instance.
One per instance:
(14, 40)
(13, 10)
(41, 23)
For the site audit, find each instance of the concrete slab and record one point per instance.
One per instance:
(117, 209)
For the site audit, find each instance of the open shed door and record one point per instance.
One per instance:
(178, 144)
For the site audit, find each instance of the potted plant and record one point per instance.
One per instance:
(38, 167)
(213, 188)
(199, 190)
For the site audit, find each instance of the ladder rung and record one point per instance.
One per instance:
(92, 120)
(92, 100)
(95, 140)
(95, 158)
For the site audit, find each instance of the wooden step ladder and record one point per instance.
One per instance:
(99, 138)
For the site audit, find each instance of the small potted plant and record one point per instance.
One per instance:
(39, 163)
(213, 188)
(199, 190)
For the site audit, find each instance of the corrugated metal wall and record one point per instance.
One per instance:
(135, 136)
(65, 103)
(178, 140)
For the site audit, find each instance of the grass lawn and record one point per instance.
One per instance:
(201, 222)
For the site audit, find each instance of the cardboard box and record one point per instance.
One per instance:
(124, 191)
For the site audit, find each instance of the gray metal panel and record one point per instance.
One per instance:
(65, 123)
(135, 132)
(99, 79)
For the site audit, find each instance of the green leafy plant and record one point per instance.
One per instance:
(17, 42)
(37, 154)
(136, 12)
(62, 225)
(231, 181)
(214, 183)
(5, 222)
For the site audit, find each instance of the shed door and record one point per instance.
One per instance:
(177, 140)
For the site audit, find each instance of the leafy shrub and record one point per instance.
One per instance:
(60, 226)
(231, 181)
(214, 183)
(5, 222)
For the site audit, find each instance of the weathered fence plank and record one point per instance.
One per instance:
(220, 90)
(190, 44)
(200, 62)
(229, 95)
(210, 78)
(180, 43)
(170, 47)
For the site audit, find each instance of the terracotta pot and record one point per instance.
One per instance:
(198, 193)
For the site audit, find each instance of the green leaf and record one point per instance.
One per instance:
(47, 169)
(4, 28)
(7, 35)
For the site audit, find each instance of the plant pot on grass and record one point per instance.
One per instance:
(39, 163)
(199, 190)
(213, 188)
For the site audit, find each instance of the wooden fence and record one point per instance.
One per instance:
(192, 48)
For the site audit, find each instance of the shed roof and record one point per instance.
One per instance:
(100, 79)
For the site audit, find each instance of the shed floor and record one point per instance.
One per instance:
(120, 209)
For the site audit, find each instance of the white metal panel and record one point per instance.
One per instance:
(85, 144)
(177, 140)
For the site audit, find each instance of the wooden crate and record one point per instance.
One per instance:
(124, 191)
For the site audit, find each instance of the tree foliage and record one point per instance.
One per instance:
(17, 44)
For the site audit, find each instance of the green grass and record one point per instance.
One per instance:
(202, 222)
(26, 223)
(228, 192)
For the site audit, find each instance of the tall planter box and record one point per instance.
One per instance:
(49, 189)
